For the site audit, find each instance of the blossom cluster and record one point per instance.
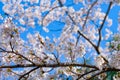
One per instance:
(81, 40)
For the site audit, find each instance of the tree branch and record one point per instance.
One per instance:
(85, 74)
(49, 65)
(16, 53)
(88, 12)
(100, 29)
(28, 73)
(103, 71)
(49, 12)
(88, 41)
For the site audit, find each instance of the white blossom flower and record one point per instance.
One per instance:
(114, 60)
(116, 77)
(6, 8)
(108, 33)
(76, 28)
(20, 14)
(4, 1)
(45, 29)
(34, 1)
(31, 23)
(1, 17)
(77, 1)
(22, 21)
(63, 1)
(118, 28)
(100, 62)
(109, 22)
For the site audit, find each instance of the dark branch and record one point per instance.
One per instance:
(88, 41)
(109, 69)
(86, 19)
(16, 53)
(28, 73)
(48, 65)
(48, 13)
(96, 75)
(100, 28)
(61, 5)
(88, 13)
(85, 74)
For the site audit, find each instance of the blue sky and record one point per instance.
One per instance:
(56, 26)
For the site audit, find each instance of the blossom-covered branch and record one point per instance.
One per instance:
(85, 47)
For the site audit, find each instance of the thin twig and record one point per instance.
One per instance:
(28, 73)
(103, 71)
(86, 74)
(48, 13)
(88, 12)
(17, 54)
(101, 26)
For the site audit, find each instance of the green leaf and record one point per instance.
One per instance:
(111, 46)
(116, 38)
(9, 70)
(110, 75)
(118, 47)
(16, 31)
(79, 70)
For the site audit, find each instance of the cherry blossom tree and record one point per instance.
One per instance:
(87, 48)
